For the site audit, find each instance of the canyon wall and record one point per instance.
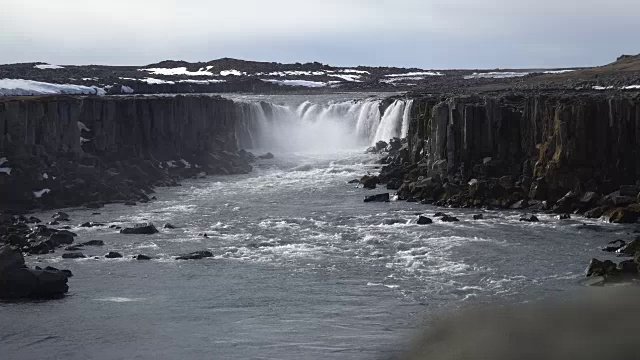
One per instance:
(67, 151)
(534, 147)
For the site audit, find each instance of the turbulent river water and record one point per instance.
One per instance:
(303, 269)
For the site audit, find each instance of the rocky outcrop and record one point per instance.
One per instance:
(68, 151)
(565, 154)
(18, 281)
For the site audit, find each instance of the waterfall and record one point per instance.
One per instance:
(315, 126)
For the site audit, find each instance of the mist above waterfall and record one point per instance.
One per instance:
(316, 126)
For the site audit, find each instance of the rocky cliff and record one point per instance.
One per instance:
(64, 151)
(567, 153)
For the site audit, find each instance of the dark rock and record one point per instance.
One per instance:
(564, 217)
(142, 257)
(61, 238)
(16, 240)
(628, 267)
(93, 243)
(596, 213)
(267, 156)
(377, 198)
(91, 224)
(60, 216)
(478, 217)
(17, 281)
(354, 181)
(73, 248)
(130, 203)
(614, 246)
(529, 218)
(628, 215)
(144, 229)
(34, 220)
(439, 214)
(423, 220)
(631, 248)
(448, 218)
(168, 226)
(53, 223)
(601, 268)
(369, 182)
(73, 255)
(113, 255)
(196, 255)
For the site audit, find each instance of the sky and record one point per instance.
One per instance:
(429, 34)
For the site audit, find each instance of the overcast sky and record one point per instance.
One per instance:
(410, 33)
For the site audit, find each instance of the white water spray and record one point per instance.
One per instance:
(319, 127)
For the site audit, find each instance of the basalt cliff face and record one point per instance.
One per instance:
(68, 151)
(565, 153)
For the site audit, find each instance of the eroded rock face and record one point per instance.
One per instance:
(73, 151)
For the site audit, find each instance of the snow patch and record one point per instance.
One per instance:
(353, 71)
(3, 160)
(630, 87)
(83, 140)
(602, 87)
(17, 87)
(126, 90)
(557, 71)
(350, 78)
(496, 75)
(150, 81)
(422, 73)
(6, 170)
(38, 194)
(178, 71)
(402, 79)
(48, 67)
(204, 82)
(231, 72)
(305, 83)
(45, 176)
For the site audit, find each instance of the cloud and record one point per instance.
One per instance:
(428, 33)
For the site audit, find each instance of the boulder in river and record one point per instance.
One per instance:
(93, 243)
(142, 229)
(113, 255)
(168, 226)
(478, 217)
(377, 198)
(90, 224)
(142, 257)
(196, 255)
(564, 217)
(60, 216)
(448, 218)
(631, 248)
(529, 218)
(423, 220)
(267, 156)
(369, 181)
(18, 282)
(601, 268)
(393, 221)
(614, 245)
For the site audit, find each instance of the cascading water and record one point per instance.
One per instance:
(321, 127)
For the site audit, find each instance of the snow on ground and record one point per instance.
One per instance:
(48, 67)
(602, 87)
(557, 71)
(82, 126)
(631, 87)
(126, 90)
(38, 194)
(292, 72)
(351, 78)
(18, 87)
(231, 72)
(150, 81)
(496, 75)
(178, 71)
(45, 176)
(402, 79)
(305, 83)
(83, 140)
(3, 160)
(6, 170)
(423, 73)
(204, 82)
(353, 71)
